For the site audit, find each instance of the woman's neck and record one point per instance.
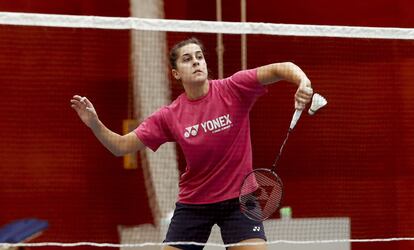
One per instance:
(195, 91)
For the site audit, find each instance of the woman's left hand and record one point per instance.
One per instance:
(303, 94)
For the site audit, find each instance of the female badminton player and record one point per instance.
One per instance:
(210, 122)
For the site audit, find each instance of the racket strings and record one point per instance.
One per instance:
(262, 201)
(262, 190)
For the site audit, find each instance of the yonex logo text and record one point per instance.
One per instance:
(215, 125)
(256, 229)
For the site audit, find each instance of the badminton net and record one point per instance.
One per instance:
(347, 171)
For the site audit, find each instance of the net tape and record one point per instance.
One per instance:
(113, 245)
(99, 22)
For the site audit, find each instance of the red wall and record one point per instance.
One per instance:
(52, 167)
(351, 160)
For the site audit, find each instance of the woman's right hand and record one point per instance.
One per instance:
(85, 110)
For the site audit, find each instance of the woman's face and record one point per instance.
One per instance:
(191, 65)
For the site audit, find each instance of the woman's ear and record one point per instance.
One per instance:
(175, 74)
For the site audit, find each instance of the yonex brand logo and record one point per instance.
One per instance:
(215, 125)
(193, 131)
(218, 124)
(256, 229)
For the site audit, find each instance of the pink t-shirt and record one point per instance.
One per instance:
(214, 134)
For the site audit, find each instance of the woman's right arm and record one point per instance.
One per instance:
(118, 144)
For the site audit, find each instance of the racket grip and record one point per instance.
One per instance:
(295, 118)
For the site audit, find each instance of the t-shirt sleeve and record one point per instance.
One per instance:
(246, 86)
(154, 131)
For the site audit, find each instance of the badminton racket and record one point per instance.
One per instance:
(262, 190)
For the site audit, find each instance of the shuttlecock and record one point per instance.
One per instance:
(318, 102)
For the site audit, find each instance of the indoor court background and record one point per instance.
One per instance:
(353, 160)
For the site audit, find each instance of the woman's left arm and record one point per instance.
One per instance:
(289, 72)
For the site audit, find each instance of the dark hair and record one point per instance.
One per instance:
(174, 51)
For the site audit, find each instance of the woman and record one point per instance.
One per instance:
(210, 122)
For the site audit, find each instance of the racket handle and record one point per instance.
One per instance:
(295, 118)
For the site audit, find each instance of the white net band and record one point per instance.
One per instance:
(99, 22)
(112, 245)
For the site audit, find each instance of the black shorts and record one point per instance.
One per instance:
(193, 223)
